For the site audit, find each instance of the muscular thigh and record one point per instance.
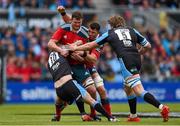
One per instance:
(69, 92)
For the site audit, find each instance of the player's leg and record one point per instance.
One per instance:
(59, 106)
(60, 103)
(97, 106)
(130, 66)
(132, 101)
(83, 77)
(89, 85)
(101, 90)
(135, 83)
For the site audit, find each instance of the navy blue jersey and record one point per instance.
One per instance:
(58, 66)
(122, 40)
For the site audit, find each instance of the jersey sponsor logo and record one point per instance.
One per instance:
(55, 66)
(86, 73)
(133, 70)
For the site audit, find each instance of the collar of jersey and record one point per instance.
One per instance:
(77, 31)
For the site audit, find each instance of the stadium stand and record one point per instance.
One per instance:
(27, 47)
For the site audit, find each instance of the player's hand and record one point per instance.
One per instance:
(64, 52)
(77, 57)
(61, 9)
(78, 42)
(72, 47)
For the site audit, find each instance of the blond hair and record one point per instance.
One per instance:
(116, 21)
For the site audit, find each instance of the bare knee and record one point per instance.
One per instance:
(138, 89)
(128, 91)
(92, 91)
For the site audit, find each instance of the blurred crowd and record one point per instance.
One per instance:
(27, 51)
(47, 4)
(148, 4)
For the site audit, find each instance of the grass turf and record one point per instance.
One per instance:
(41, 114)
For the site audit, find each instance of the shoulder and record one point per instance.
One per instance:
(84, 28)
(83, 32)
(66, 27)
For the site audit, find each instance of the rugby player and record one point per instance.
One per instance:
(90, 60)
(67, 89)
(67, 34)
(123, 40)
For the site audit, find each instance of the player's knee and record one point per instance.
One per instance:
(92, 91)
(98, 81)
(128, 90)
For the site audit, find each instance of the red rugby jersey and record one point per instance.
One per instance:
(64, 35)
(96, 52)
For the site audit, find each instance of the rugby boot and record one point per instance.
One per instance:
(165, 113)
(86, 117)
(113, 119)
(56, 118)
(135, 119)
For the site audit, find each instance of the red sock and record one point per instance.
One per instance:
(58, 110)
(93, 112)
(106, 105)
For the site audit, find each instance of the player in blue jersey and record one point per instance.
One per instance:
(67, 89)
(123, 41)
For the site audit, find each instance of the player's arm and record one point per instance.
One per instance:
(85, 47)
(90, 45)
(65, 16)
(145, 45)
(145, 48)
(52, 44)
(93, 56)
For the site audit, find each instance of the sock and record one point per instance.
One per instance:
(80, 106)
(132, 100)
(58, 110)
(93, 112)
(106, 105)
(97, 106)
(150, 99)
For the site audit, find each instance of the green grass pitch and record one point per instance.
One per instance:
(41, 114)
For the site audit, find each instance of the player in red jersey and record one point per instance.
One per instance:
(90, 60)
(67, 34)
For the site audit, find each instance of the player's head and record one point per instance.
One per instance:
(93, 30)
(116, 21)
(77, 18)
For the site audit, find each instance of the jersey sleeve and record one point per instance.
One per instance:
(58, 34)
(96, 52)
(141, 39)
(102, 39)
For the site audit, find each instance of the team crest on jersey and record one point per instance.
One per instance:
(65, 36)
